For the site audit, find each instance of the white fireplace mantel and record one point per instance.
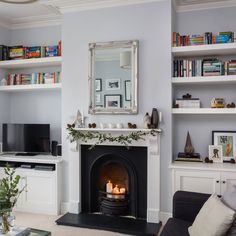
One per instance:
(153, 172)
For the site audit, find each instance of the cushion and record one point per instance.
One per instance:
(232, 230)
(214, 219)
(176, 227)
(229, 197)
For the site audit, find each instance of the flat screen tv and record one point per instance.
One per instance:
(26, 138)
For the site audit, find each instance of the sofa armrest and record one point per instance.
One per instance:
(186, 205)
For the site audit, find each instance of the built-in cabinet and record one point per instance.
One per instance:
(42, 188)
(203, 178)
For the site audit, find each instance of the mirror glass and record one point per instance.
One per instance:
(113, 77)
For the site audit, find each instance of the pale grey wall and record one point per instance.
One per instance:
(43, 106)
(151, 25)
(4, 98)
(201, 126)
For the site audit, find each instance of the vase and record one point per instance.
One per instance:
(146, 121)
(7, 220)
(154, 118)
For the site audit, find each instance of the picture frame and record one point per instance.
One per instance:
(98, 85)
(113, 84)
(227, 139)
(112, 101)
(215, 153)
(127, 90)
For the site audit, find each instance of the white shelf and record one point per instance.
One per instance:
(204, 111)
(31, 63)
(116, 130)
(203, 166)
(205, 50)
(226, 79)
(34, 159)
(30, 87)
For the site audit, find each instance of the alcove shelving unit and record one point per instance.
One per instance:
(202, 177)
(204, 50)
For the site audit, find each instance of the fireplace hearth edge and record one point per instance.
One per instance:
(110, 223)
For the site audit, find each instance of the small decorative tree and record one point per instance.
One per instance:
(9, 194)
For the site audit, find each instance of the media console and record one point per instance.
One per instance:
(41, 174)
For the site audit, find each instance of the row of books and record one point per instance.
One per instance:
(22, 52)
(33, 78)
(202, 39)
(203, 67)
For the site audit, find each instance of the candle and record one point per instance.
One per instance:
(122, 190)
(116, 190)
(109, 188)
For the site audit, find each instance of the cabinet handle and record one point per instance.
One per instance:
(217, 181)
(223, 182)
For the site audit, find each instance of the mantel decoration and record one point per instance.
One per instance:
(9, 194)
(100, 137)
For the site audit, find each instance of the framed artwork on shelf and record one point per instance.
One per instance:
(98, 85)
(112, 101)
(227, 139)
(216, 153)
(127, 90)
(113, 84)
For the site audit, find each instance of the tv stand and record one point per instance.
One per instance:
(26, 154)
(42, 181)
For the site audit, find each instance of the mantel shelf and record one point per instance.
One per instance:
(30, 87)
(226, 79)
(116, 130)
(205, 50)
(221, 111)
(31, 63)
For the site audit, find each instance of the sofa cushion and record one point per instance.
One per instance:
(228, 197)
(232, 230)
(176, 227)
(214, 219)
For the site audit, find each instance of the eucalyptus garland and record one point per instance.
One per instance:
(100, 137)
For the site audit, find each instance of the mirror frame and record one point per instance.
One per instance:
(134, 46)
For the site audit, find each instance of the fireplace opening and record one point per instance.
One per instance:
(114, 189)
(114, 181)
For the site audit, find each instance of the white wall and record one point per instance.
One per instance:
(151, 25)
(201, 127)
(4, 98)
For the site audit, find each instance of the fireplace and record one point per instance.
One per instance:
(130, 202)
(114, 180)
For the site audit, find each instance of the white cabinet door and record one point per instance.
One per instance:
(40, 192)
(227, 180)
(196, 181)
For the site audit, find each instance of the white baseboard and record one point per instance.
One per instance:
(164, 216)
(64, 207)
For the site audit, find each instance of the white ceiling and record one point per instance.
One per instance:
(46, 12)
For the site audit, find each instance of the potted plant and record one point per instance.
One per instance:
(9, 193)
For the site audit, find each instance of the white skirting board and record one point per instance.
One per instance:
(164, 216)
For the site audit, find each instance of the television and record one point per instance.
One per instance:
(26, 138)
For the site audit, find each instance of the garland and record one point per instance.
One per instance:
(100, 137)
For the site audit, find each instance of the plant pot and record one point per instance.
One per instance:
(7, 220)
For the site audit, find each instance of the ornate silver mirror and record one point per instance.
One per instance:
(113, 77)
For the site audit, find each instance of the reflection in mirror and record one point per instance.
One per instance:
(113, 77)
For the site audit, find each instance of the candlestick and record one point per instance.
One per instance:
(109, 188)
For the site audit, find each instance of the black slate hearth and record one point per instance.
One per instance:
(116, 224)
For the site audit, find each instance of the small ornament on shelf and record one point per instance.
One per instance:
(146, 121)
(92, 125)
(218, 103)
(154, 119)
(231, 105)
(132, 126)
